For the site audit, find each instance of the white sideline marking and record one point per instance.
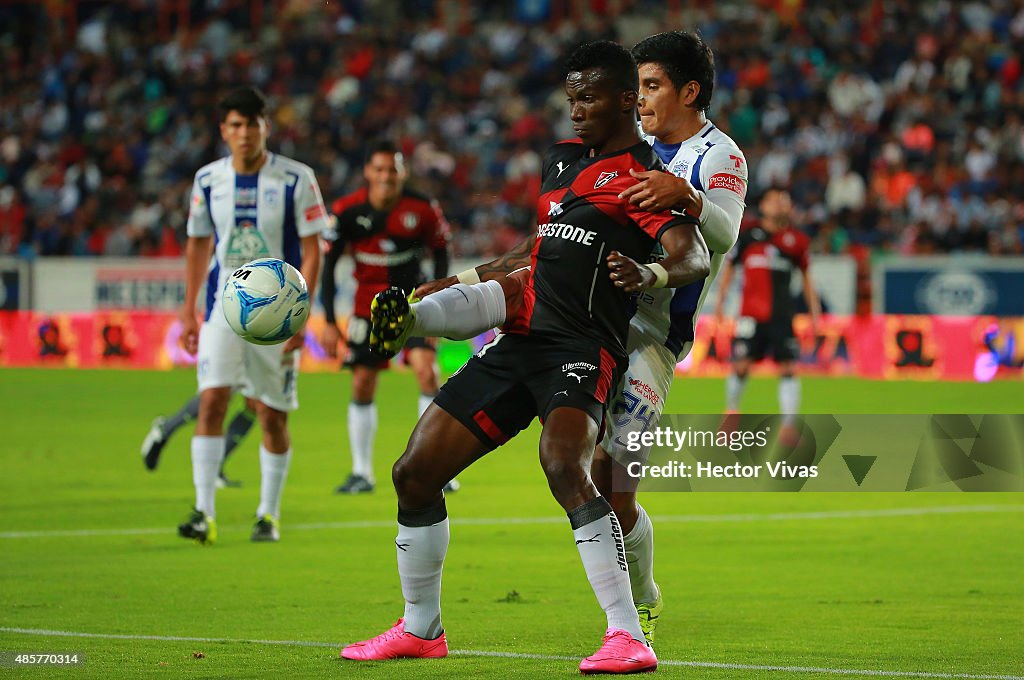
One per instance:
(501, 521)
(518, 655)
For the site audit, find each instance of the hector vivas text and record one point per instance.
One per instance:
(690, 439)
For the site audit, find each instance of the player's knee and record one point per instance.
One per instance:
(213, 407)
(413, 487)
(274, 423)
(564, 471)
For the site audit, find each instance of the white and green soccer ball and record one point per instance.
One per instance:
(265, 301)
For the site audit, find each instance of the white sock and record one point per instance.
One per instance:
(362, 429)
(789, 395)
(734, 391)
(460, 312)
(425, 401)
(207, 454)
(599, 540)
(422, 543)
(639, 545)
(273, 472)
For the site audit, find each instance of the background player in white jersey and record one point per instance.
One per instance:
(248, 205)
(709, 179)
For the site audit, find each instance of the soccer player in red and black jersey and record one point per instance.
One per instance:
(387, 228)
(559, 359)
(768, 253)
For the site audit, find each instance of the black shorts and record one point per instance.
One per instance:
(516, 378)
(359, 353)
(754, 339)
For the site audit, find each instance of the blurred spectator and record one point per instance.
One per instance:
(894, 125)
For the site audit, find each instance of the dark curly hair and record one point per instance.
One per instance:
(610, 57)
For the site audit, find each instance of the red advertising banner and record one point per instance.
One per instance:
(879, 346)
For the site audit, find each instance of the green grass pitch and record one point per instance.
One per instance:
(780, 585)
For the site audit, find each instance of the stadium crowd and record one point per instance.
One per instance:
(897, 125)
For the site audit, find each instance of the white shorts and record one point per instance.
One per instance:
(260, 372)
(638, 407)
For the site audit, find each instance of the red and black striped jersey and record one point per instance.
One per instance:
(581, 219)
(768, 261)
(387, 246)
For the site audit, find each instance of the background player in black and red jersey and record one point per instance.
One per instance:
(560, 360)
(388, 229)
(768, 254)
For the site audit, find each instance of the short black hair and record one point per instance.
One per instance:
(381, 146)
(248, 101)
(684, 57)
(610, 57)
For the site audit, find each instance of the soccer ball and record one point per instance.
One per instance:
(265, 301)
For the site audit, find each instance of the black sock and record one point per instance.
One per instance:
(187, 413)
(237, 429)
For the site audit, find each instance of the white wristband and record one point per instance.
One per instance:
(468, 277)
(660, 275)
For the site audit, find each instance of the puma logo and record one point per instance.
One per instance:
(560, 168)
(579, 378)
(402, 546)
(364, 222)
(593, 539)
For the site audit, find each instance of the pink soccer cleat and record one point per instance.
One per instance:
(396, 644)
(620, 653)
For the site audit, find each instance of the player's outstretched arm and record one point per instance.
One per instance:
(688, 261)
(517, 258)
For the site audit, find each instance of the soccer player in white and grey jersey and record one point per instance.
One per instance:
(708, 180)
(245, 206)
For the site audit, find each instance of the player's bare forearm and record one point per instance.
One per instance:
(430, 287)
(688, 261)
(517, 258)
(197, 258)
(688, 258)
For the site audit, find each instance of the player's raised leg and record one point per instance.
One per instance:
(457, 312)
(440, 447)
